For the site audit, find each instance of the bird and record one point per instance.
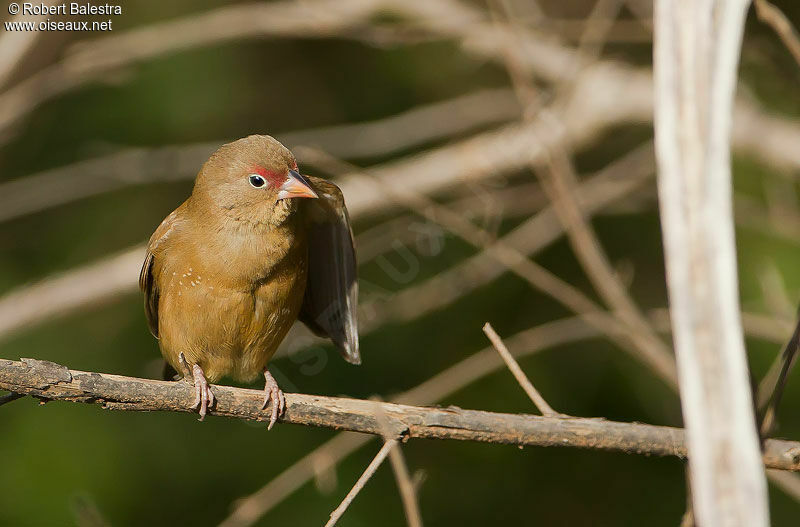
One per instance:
(255, 247)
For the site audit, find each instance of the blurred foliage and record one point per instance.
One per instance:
(168, 469)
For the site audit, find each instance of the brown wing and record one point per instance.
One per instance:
(331, 298)
(147, 282)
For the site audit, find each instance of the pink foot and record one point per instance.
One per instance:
(204, 397)
(276, 395)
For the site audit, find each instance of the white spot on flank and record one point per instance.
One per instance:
(174, 273)
(192, 284)
(181, 283)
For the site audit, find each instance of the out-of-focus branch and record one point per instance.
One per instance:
(621, 31)
(696, 55)
(17, 44)
(771, 15)
(49, 381)
(74, 289)
(770, 138)
(135, 166)
(559, 182)
(607, 186)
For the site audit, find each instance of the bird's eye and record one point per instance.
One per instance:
(257, 181)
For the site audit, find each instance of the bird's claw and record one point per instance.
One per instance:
(203, 396)
(274, 393)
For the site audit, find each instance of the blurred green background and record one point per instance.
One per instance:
(60, 462)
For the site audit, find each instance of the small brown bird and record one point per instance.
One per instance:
(229, 271)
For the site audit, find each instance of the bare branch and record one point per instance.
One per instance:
(387, 447)
(522, 379)
(50, 381)
(406, 487)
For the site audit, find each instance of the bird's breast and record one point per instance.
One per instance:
(228, 305)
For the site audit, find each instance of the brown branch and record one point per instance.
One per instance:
(50, 381)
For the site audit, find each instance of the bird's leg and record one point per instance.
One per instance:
(204, 397)
(271, 391)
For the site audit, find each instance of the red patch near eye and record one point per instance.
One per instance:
(294, 166)
(273, 178)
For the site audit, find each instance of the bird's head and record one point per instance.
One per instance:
(254, 179)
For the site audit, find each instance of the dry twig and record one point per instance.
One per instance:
(408, 492)
(519, 375)
(387, 447)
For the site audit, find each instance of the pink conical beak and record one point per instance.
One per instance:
(296, 186)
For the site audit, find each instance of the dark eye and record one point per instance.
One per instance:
(257, 181)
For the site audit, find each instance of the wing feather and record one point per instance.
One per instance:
(147, 281)
(331, 298)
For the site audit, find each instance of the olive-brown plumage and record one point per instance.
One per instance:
(229, 271)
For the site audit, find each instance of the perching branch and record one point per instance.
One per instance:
(50, 381)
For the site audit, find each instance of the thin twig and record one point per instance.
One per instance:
(370, 470)
(408, 493)
(522, 379)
